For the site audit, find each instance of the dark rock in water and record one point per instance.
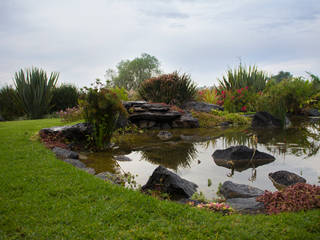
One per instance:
(122, 158)
(313, 112)
(78, 132)
(246, 205)
(110, 177)
(240, 158)
(164, 135)
(283, 179)
(64, 153)
(201, 106)
(265, 120)
(234, 190)
(166, 181)
(75, 162)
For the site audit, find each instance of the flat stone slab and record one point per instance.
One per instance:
(75, 162)
(246, 205)
(234, 190)
(201, 106)
(155, 116)
(283, 179)
(64, 153)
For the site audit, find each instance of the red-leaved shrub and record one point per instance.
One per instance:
(300, 196)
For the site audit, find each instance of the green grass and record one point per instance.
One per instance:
(42, 197)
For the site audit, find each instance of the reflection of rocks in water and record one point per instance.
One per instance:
(171, 155)
(240, 158)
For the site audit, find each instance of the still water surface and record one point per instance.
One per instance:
(189, 154)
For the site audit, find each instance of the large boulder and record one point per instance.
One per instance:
(75, 162)
(201, 106)
(241, 158)
(166, 181)
(78, 132)
(265, 120)
(283, 179)
(234, 190)
(246, 205)
(186, 121)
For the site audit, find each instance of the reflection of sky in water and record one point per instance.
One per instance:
(295, 150)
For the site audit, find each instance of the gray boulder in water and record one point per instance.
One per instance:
(166, 181)
(283, 179)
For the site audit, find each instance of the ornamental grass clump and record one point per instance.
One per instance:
(101, 108)
(34, 90)
(300, 196)
(173, 89)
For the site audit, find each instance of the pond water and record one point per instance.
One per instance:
(189, 154)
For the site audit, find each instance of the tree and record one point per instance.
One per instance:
(281, 76)
(130, 74)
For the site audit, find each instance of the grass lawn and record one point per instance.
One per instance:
(42, 197)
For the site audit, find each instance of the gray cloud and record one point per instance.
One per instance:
(81, 39)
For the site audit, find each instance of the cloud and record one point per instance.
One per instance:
(81, 39)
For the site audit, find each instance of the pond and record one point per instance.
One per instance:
(189, 154)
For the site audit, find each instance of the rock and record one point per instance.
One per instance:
(283, 179)
(154, 116)
(122, 158)
(239, 158)
(246, 205)
(78, 132)
(313, 112)
(110, 177)
(89, 170)
(234, 190)
(64, 153)
(201, 106)
(164, 135)
(166, 181)
(186, 121)
(75, 162)
(265, 120)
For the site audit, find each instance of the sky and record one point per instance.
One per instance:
(81, 39)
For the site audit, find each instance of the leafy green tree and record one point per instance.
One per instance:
(130, 74)
(281, 76)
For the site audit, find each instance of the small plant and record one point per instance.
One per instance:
(216, 207)
(120, 92)
(71, 114)
(34, 89)
(101, 108)
(173, 89)
(209, 182)
(199, 197)
(207, 95)
(300, 196)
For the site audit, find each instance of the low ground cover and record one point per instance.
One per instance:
(42, 197)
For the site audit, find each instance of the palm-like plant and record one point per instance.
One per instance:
(34, 90)
(242, 77)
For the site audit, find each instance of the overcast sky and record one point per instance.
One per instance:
(82, 39)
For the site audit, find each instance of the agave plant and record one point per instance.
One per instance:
(242, 77)
(34, 90)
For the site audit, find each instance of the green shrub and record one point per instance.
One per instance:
(287, 96)
(63, 97)
(239, 100)
(9, 105)
(241, 77)
(34, 91)
(101, 108)
(120, 92)
(171, 88)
